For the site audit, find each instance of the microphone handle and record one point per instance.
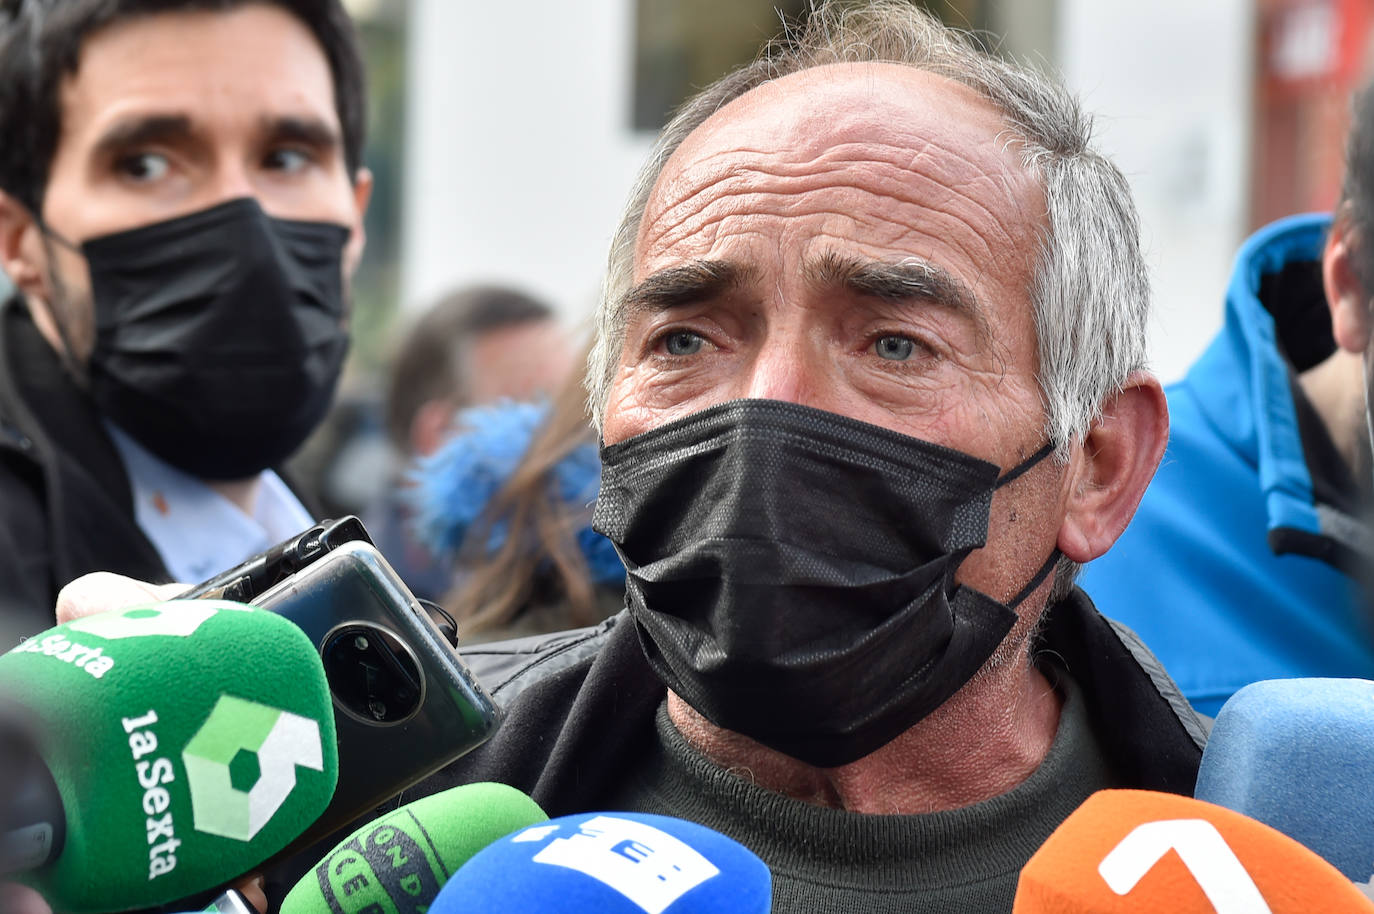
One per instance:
(33, 825)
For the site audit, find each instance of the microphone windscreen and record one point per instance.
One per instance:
(399, 861)
(189, 741)
(1298, 755)
(1135, 851)
(611, 862)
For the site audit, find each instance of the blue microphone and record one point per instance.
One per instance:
(611, 863)
(1298, 755)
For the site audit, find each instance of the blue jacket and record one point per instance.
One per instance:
(1233, 571)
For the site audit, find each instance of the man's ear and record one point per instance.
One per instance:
(362, 195)
(21, 251)
(1345, 294)
(1111, 467)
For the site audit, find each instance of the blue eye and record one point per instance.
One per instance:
(682, 342)
(895, 348)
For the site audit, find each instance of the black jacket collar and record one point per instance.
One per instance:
(578, 702)
(51, 422)
(579, 707)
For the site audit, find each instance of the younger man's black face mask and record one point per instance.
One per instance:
(791, 571)
(219, 335)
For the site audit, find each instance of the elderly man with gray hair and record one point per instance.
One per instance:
(870, 382)
(869, 377)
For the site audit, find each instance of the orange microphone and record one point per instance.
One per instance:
(1136, 851)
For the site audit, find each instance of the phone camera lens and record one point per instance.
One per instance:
(372, 674)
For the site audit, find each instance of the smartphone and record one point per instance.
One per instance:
(405, 705)
(251, 577)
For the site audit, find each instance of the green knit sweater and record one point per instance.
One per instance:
(828, 861)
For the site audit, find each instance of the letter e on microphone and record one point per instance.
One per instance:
(650, 867)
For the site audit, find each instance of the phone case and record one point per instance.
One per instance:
(404, 703)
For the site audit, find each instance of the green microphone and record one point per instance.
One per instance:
(400, 861)
(185, 743)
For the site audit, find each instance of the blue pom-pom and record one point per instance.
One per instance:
(454, 486)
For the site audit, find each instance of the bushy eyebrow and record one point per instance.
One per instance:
(307, 130)
(699, 280)
(141, 131)
(908, 280)
(133, 132)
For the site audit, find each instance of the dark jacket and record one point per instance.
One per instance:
(577, 702)
(66, 507)
(580, 705)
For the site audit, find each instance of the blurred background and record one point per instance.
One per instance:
(504, 136)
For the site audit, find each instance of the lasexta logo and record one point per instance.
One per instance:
(268, 743)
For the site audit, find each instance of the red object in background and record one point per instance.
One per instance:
(1312, 54)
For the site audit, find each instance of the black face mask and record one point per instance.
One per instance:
(791, 571)
(219, 336)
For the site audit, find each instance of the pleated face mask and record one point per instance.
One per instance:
(791, 571)
(220, 335)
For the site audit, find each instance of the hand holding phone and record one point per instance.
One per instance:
(405, 704)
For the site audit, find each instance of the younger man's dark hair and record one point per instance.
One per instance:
(41, 42)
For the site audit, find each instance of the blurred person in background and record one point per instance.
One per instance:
(1250, 556)
(181, 203)
(507, 502)
(478, 345)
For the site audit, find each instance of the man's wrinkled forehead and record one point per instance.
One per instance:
(803, 104)
(800, 117)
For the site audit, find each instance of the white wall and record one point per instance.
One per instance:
(1171, 83)
(518, 157)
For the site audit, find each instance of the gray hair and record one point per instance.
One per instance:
(1091, 289)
